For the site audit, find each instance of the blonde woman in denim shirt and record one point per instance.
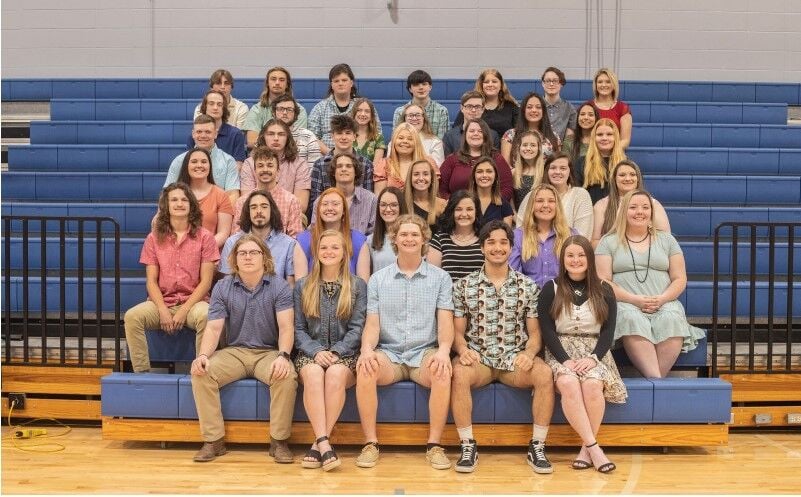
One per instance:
(330, 307)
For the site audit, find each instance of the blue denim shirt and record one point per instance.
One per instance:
(343, 336)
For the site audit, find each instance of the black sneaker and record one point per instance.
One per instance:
(469, 458)
(537, 459)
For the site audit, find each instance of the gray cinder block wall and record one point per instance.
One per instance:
(736, 40)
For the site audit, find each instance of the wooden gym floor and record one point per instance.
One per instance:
(751, 463)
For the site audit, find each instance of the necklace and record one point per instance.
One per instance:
(634, 265)
(647, 234)
(578, 288)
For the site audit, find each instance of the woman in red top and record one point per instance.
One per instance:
(606, 90)
(455, 172)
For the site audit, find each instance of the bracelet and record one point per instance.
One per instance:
(284, 355)
(595, 358)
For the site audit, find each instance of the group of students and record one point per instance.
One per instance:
(345, 269)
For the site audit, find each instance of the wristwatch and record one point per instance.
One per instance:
(284, 355)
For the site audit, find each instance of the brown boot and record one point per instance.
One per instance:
(280, 450)
(210, 451)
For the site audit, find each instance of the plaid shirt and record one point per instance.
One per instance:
(437, 116)
(321, 182)
(288, 207)
(496, 319)
(320, 118)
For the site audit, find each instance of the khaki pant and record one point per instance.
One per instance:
(234, 363)
(145, 316)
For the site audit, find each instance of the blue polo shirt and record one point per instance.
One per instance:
(250, 315)
(229, 139)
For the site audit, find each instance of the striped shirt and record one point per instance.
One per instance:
(308, 145)
(288, 206)
(458, 260)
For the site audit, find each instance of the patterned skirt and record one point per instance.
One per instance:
(605, 371)
(302, 360)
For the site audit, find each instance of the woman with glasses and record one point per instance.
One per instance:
(378, 247)
(415, 115)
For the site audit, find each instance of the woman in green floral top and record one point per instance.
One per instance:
(369, 140)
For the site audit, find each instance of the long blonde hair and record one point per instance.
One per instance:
(559, 224)
(419, 152)
(310, 296)
(595, 173)
(517, 161)
(622, 220)
(433, 191)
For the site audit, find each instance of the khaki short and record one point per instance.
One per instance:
(404, 372)
(487, 375)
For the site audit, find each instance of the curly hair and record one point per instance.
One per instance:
(162, 226)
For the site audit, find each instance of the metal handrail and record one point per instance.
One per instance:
(26, 227)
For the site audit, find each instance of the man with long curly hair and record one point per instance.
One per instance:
(179, 257)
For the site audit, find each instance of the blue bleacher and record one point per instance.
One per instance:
(668, 400)
(35, 89)
(146, 186)
(88, 109)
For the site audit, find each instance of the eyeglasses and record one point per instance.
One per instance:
(550, 81)
(251, 253)
(414, 115)
(473, 107)
(390, 205)
(284, 110)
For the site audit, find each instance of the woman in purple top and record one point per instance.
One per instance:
(537, 244)
(331, 213)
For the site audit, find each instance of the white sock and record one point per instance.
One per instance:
(465, 433)
(539, 433)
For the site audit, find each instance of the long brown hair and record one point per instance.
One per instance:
(162, 227)
(372, 127)
(504, 95)
(495, 189)
(290, 150)
(183, 174)
(381, 229)
(264, 98)
(563, 294)
(613, 200)
(310, 296)
(433, 191)
(486, 146)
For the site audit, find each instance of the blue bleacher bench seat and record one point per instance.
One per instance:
(671, 400)
(37, 89)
